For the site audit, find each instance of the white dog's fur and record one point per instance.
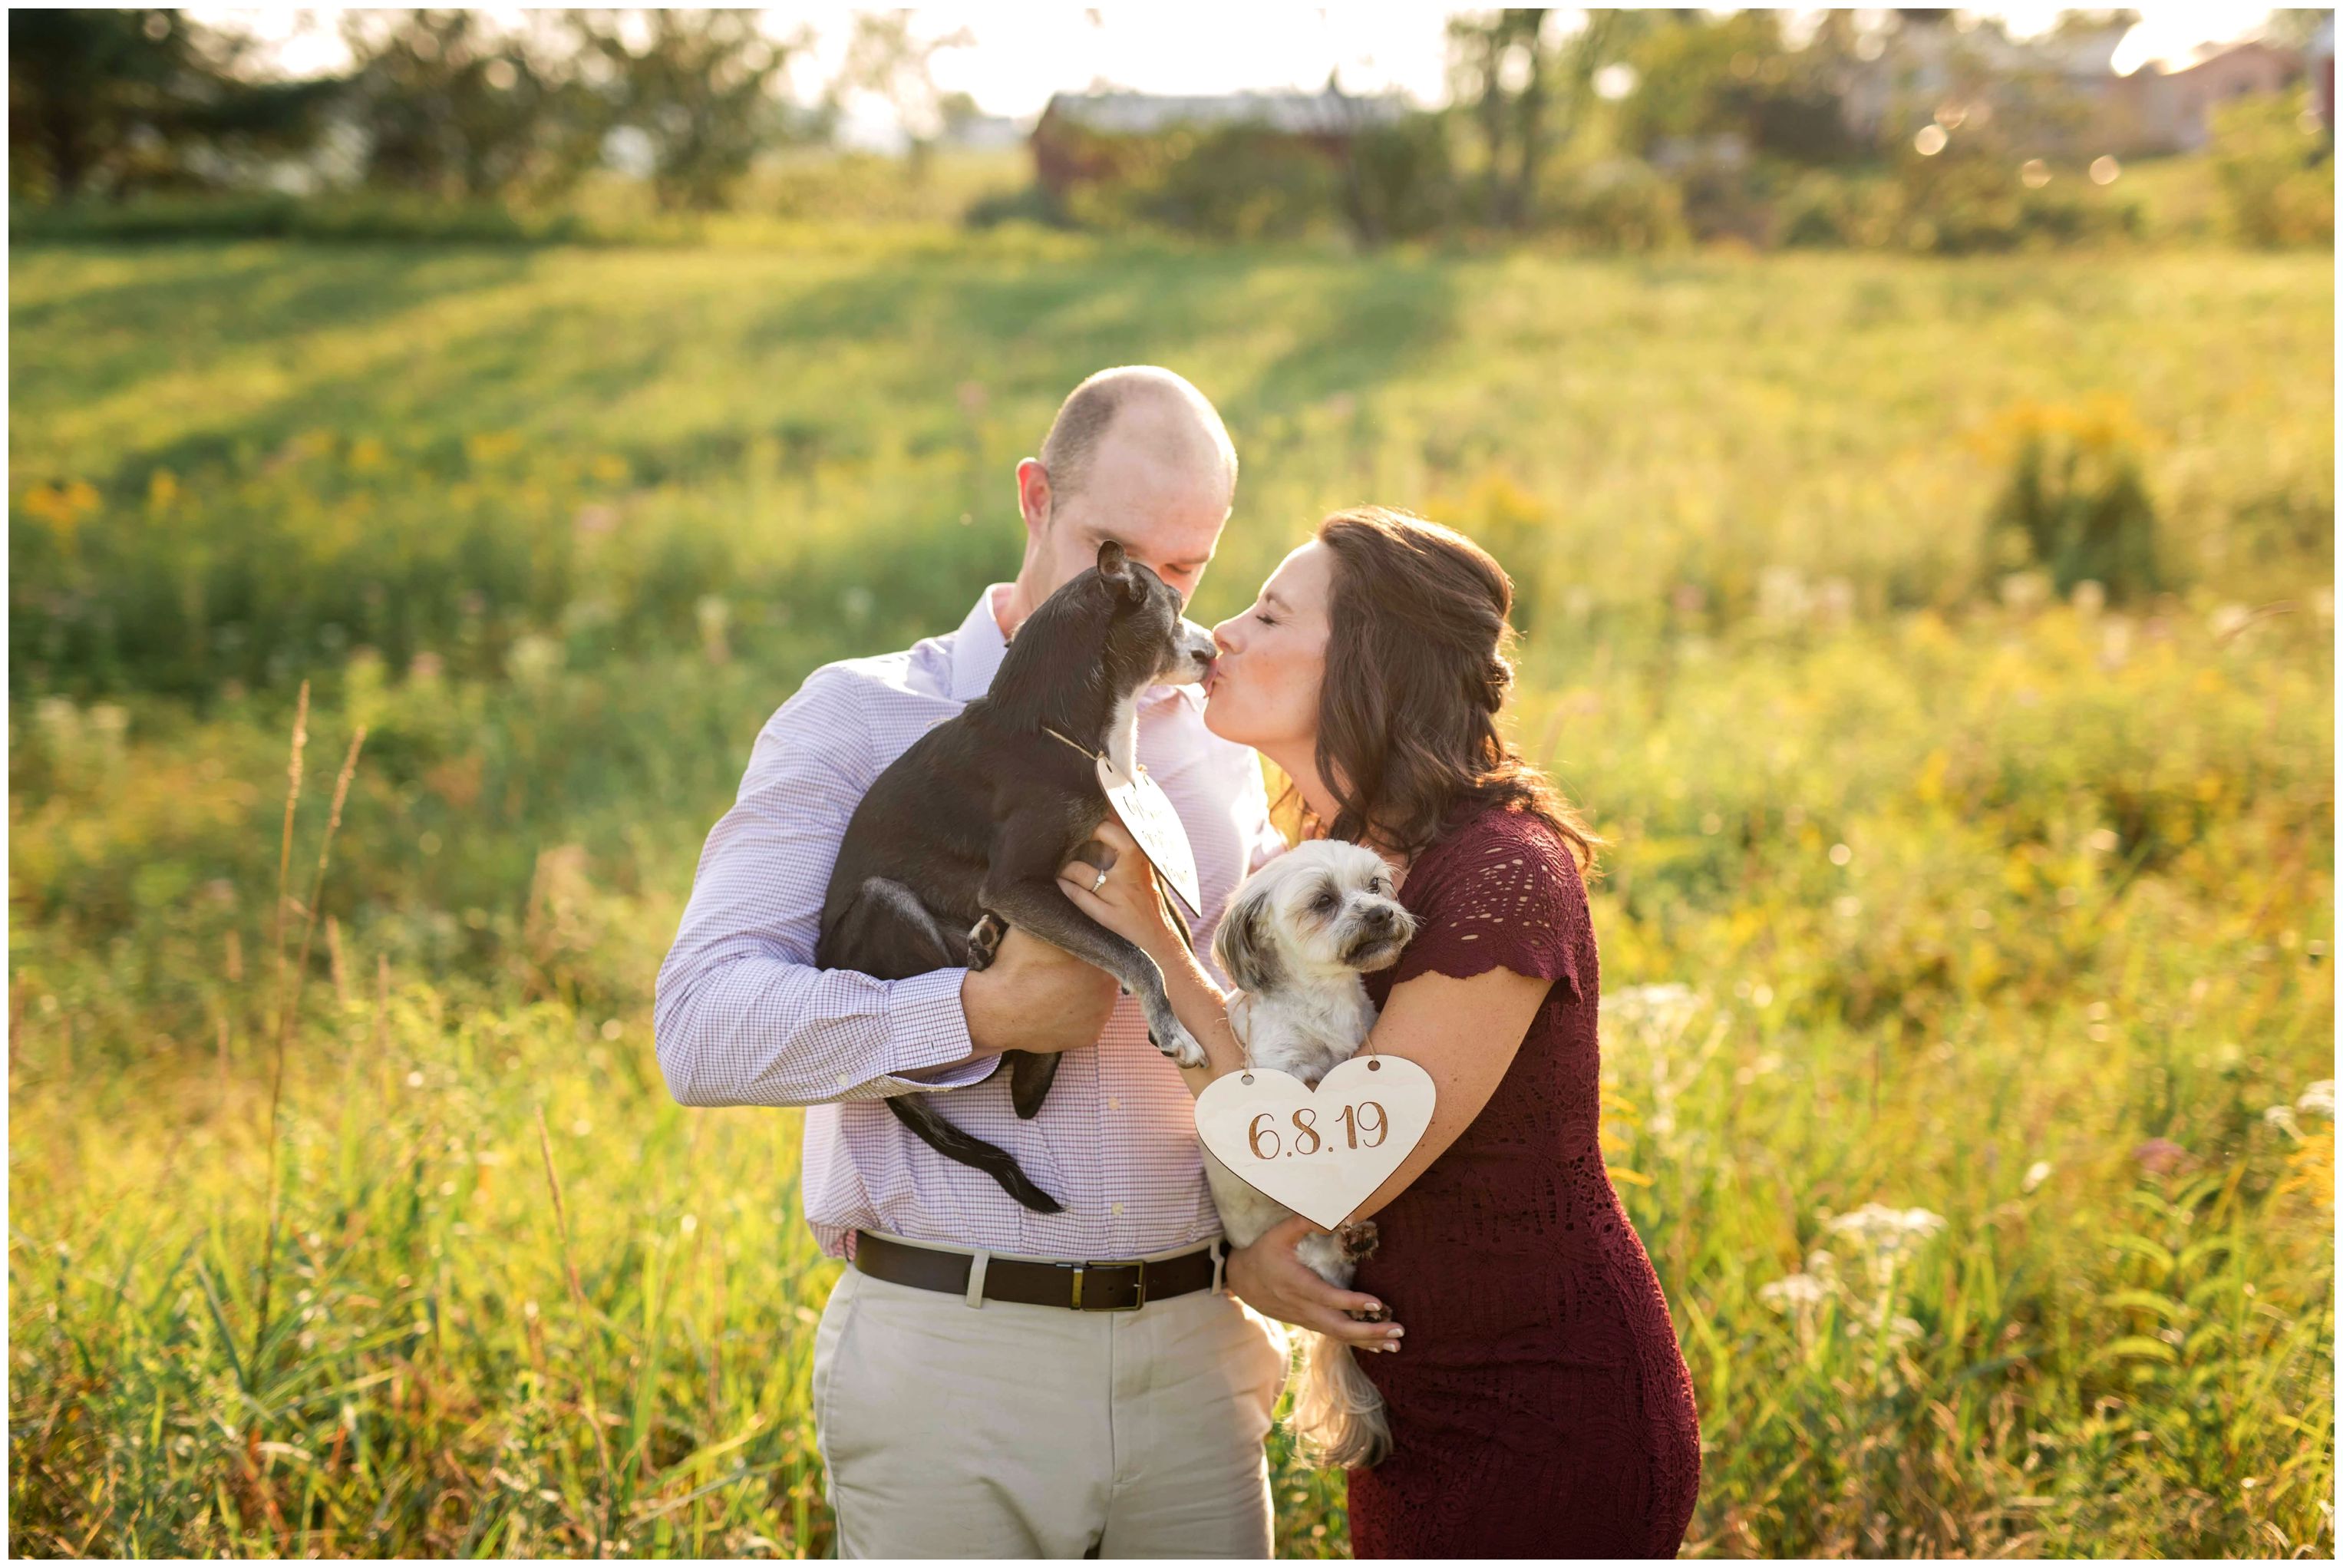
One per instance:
(1296, 938)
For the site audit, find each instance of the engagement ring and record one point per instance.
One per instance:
(1099, 883)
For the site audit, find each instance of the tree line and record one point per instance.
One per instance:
(1639, 130)
(1636, 130)
(446, 103)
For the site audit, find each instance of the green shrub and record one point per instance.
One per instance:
(1971, 198)
(1236, 182)
(1032, 203)
(1614, 205)
(1402, 179)
(2277, 175)
(1823, 209)
(2075, 503)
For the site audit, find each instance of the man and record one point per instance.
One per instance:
(976, 1393)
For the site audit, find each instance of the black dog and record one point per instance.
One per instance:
(963, 834)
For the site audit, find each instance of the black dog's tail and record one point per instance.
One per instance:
(916, 1113)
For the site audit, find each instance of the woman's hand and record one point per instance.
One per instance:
(1128, 901)
(1270, 1279)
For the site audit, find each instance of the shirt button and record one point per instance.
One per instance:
(1113, 1104)
(1118, 1208)
(844, 1079)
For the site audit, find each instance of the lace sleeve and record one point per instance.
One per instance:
(1504, 893)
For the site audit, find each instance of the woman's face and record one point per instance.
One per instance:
(1262, 690)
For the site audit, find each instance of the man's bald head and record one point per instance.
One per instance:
(1135, 456)
(1174, 426)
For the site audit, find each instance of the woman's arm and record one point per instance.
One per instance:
(1465, 1034)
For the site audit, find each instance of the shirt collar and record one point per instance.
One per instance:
(977, 648)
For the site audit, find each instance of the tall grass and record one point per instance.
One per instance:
(592, 1333)
(234, 464)
(2015, 912)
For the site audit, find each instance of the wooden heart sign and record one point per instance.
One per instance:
(1322, 1153)
(1147, 811)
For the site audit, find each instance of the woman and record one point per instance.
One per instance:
(1540, 1407)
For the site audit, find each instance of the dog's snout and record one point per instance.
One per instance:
(1381, 919)
(1190, 652)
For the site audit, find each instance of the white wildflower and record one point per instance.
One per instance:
(1884, 1235)
(1654, 1003)
(534, 659)
(1898, 1329)
(1801, 1293)
(2025, 591)
(2319, 1100)
(1876, 1226)
(59, 717)
(2036, 1174)
(1782, 595)
(2282, 1117)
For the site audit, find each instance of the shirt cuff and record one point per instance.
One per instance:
(927, 1034)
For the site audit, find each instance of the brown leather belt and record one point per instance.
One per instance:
(1120, 1286)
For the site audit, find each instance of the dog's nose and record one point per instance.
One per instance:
(1381, 921)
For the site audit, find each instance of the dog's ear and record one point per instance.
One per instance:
(1243, 946)
(1114, 566)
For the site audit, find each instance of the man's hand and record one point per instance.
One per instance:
(1268, 1278)
(1035, 997)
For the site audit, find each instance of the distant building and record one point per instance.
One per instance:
(1075, 138)
(982, 133)
(1931, 62)
(2065, 83)
(2321, 63)
(2172, 110)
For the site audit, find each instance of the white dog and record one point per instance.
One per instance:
(1296, 938)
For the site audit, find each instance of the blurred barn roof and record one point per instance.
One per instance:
(1331, 111)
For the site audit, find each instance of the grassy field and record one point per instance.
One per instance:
(2012, 916)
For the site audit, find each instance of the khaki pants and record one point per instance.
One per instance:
(1014, 1431)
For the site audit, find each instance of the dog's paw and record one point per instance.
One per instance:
(1378, 1313)
(1178, 1044)
(984, 941)
(1358, 1240)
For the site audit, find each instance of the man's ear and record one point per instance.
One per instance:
(1244, 947)
(1033, 496)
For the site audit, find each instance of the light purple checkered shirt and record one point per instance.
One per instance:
(744, 1018)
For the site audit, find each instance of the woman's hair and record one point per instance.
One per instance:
(1415, 674)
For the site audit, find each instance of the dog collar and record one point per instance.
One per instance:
(1072, 743)
(1146, 812)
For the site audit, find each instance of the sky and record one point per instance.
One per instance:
(1022, 53)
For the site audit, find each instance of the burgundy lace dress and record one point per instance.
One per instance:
(1540, 1408)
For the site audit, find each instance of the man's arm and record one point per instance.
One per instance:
(742, 1017)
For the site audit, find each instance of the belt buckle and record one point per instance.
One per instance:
(1096, 1263)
